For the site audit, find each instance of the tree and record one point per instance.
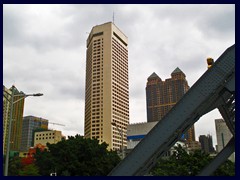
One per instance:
(14, 166)
(77, 156)
(180, 163)
(29, 170)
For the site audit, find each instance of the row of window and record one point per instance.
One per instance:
(43, 138)
(47, 134)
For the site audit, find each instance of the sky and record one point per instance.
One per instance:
(44, 51)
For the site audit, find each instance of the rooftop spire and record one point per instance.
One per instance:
(153, 76)
(177, 70)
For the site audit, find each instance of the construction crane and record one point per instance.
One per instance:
(56, 123)
(214, 89)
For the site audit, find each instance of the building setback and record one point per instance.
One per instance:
(161, 96)
(30, 124)
(106, 89)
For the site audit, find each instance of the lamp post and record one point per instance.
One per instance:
(121, 133)
(12, 102)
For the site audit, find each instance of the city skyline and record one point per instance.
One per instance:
(44, 50)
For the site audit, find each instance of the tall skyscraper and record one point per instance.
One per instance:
(17, 116)
(106, 90)
(206, 143)
(31, 123)
(224, 135)
(163, 95)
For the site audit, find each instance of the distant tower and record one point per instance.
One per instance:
(163, 95)
(31, 123)
(223, 136)
(206, 143)
(106, 90)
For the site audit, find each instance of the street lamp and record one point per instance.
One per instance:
(12, 102)
(121, 133)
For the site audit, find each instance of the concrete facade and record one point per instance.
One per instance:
(223, 136)
(45, 137)
(136, 132)
(106, 89)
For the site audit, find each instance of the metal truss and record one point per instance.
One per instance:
(214, 89)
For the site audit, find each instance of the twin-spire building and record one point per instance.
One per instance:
(163, 95)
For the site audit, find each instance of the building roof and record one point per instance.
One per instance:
(153, 76)
(177, 70)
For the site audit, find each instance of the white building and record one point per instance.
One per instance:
(224, 135)
(136, 132)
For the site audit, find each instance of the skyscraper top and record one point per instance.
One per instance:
(153, 76)
(178, 74)
(177, 70)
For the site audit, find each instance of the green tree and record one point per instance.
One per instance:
(181, 163)
(77, 156)
(14, 166)
(29, 170)
(227, 169)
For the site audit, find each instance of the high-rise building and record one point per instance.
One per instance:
(31, 124)
(206, 143)
(6, 115)
(106, 90)
(163, 95)
(224, 135)
(17, 116)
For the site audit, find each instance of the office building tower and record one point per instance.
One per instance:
(17, 116)
(30, 125)
(106, 90)
(224, 135)
(206, 143)
(163, 95)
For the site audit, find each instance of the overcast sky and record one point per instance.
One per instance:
(44, 50)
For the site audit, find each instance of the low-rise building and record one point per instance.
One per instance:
(50, 136)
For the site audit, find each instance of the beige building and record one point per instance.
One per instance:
(106, 90)
(224, 135)
(45, 137)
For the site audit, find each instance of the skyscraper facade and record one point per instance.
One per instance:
(224, 135)
(30, 124)
(163, 95)
(106, 89)
(17, 116)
